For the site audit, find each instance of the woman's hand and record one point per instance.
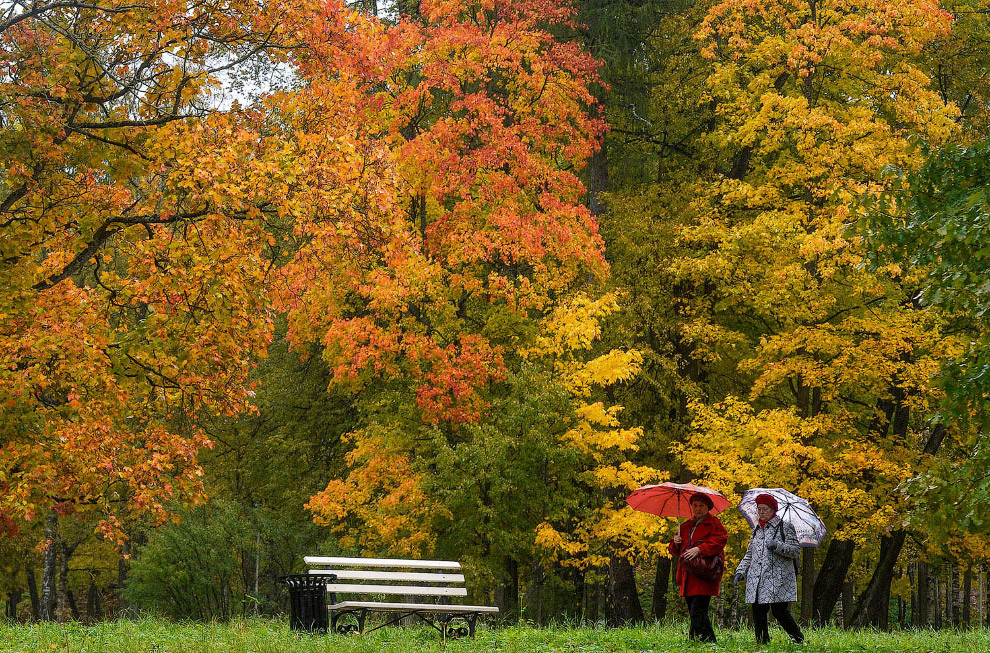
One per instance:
(677, 540)
(692, 553)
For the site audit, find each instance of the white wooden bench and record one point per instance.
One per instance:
(376, 577)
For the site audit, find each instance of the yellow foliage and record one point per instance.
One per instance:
(565, 339)
(824, 351)
(573, 326)
(850, 480)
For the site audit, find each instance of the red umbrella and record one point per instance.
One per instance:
(673, 499)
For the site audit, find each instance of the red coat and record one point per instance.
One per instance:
(710, 537)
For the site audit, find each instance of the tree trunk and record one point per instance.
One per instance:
(63, 607)
(94, 611)
(593, 607)
(807, 585)
(950, 599)
(831, 576)
(874, 603)
(73, 608)
(967, 597)
(13, 598)
(623, 606)
(534, 594)
(257, 560)
(923, 615)
(586, 601)
(937, 602)
(982, 595)
(123, 568)
(847, 604)
(660, 588)
(507, 592)
(573, 602)
(32, 583)
(952, 595)
(49, 569)
(912, 572)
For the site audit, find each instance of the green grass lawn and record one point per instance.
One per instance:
(154, 636)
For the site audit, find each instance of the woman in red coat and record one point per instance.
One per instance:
(704, 535)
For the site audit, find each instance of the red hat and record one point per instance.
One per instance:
(701, 497)
(766, 500)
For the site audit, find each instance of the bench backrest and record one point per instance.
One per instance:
(377, 576)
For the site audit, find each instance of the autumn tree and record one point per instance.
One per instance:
(142, 214)
(488, 118)
(833, 363)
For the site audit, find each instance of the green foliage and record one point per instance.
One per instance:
(203, 567)
(938, 219)
(934, 223)
(655, 80)
(282, 453)
(514, 460)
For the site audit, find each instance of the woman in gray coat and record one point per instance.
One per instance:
(770, 571)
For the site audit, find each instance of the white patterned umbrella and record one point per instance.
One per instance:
(791, 508)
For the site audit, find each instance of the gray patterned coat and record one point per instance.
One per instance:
(770, 576)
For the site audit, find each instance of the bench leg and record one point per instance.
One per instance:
(458, 631)
(359, 615)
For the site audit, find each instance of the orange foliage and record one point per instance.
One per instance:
(479, 227)
(468, 123)
(137, 248)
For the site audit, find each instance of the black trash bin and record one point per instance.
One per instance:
(308, 602)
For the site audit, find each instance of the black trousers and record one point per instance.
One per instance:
(701, 625)
(782, 613)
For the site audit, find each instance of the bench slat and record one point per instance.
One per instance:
(382, 562)
(360, 574)
(421, 607)
(405, 590)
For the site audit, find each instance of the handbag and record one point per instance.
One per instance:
(704, 567)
